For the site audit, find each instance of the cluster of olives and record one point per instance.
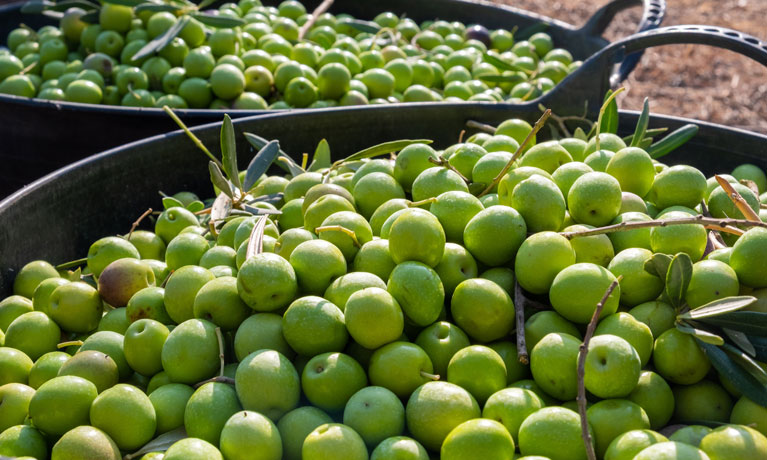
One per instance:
(264, 64)
(377, 320)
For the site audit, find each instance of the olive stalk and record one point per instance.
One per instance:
(582, 352)
(711, 223)
(538, 125)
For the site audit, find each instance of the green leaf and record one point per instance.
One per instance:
(160, 443)
(272, 198)
(580, 134)
(67, 4)
(499, 63)
(741, 340)
(205, 3)
(641, 128)
(750, 322)
(157, 8)
(256, 211)
(658, 265)
(645, 143)
(610, 117)
(673, 141)
(162, 41)
(720, 306)
(745, 361)
(284, 160)
(256, 240)
(321, 158)
(678, 278)
(130, 3)
(760, 347)
(364, 26)
(36, 6)
(170, 202)
(221, 22)
(700, 334)
(195, 206)
(91, 17)
(499, 78)
(383, 148)
(260, 163)
(229, 152)
(218, 179)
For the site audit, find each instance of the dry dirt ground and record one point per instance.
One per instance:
(693, 81)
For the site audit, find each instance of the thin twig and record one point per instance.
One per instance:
(319, 11)
(220, 338)
(417, 204)
(582, 352)
(538, 125)
(738, 199)
(442, 162)
(219, 379)
(71, 343)
(138, 221)
(429, 376)
(519, 303)
(72, 264)
(191, 135)
(481, 126)
(460, 136)
(725, 225)
(339, 228)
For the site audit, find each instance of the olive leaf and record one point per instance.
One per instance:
(658, 265)
(672, 141)
(284, 161)
(74, 275)
(260, 163)
(610, 117)
(67, 4)
(648, 134)
(383, 148)
(156, 8)
(205, 4)
(645, 143)
(195, 206)
(158, 43)
(580, 134)
(719, 307)
(760, 347)
(700, 334)
(747, 363)
(499, 63)
(363, 26)
(500, 78)
(170, 202)
(749, 322)
(678, 278)
(256, 211)
(641, 128)
(218, 179)
(229, 152)
(218, 21)
(321, 158)
(36, 6)
(256, 239)
(130, 3)
(741, 340)
(221, 208)
(273, 198)
(160, 443)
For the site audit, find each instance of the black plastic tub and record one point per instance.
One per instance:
(60, 215)
(41, 136)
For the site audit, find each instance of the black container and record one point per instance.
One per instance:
(41, 136)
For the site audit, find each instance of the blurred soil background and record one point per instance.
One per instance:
(692, 81)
